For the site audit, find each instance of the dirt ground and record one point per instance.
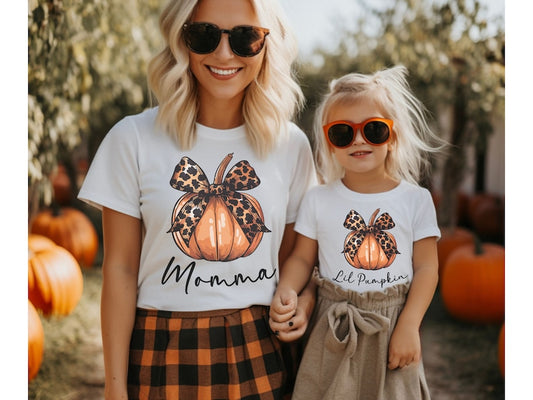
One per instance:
(461, 360)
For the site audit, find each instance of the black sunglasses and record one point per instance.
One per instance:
(244, 40)
(341, 134)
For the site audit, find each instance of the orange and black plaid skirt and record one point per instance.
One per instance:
(223, 354)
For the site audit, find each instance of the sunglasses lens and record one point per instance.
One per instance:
(202, 38)
(247, 41)
(376, 132)
(340, 135)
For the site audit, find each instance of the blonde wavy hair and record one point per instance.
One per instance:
(413, 140)
(270, 101)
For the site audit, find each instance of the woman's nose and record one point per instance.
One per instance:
(224, 49)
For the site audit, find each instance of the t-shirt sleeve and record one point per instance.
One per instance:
(113, 177)
(306, 222)
(304, 176)
(425, 221)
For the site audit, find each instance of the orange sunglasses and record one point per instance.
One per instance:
(341, 134)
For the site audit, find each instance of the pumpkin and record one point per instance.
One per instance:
(55, 281)
(71, 229)
(473, 283)
(35, 342)
(487, 216)
(216, 222)
(61, 186)
(451, 239)
(501, 350)
(369, 247)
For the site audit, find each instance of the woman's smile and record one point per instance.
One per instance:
(223, 73)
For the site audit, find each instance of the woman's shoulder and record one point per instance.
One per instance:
(132, 125)
(147, 117)
(296, 134)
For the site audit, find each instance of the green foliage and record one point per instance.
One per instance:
(440, 44)
(86, 68)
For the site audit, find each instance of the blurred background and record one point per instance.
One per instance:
(87, 69)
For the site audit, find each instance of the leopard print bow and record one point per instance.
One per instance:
(355, 222)
(189, 177)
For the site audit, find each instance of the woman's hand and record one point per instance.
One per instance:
(291, 325)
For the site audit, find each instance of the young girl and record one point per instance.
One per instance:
(198, 196)
(375, 232)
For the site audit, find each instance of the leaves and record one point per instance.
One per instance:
(86, 69)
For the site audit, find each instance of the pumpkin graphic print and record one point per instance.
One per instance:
(216, 222)
(369, 247)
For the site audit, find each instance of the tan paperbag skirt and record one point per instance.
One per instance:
(347, 350)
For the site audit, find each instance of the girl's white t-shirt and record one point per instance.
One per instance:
(360, 253)
(139, 170)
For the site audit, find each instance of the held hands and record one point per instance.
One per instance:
(288, 319)
(404, 347)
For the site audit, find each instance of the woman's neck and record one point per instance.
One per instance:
(222, 114)
(369, 183)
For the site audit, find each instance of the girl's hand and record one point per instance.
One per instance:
(404, 347)
(293, 328)
(283, 305)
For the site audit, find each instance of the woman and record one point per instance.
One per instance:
(198, 199)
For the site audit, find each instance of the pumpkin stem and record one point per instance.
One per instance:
(478, 245)
(219, 175)
(56, 209)
(373, 217)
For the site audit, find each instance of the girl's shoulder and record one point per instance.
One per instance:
(323, 190)
(413, 189)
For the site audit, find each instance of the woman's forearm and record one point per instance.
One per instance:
(119, 295)
(122, 248)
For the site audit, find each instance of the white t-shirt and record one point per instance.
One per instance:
(365, 241)
(205, 246)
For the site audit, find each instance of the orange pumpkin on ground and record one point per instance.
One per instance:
(55, 281)
(35, 342)
(473, 283)
(216, 222)
(71, 229)
(450, 240)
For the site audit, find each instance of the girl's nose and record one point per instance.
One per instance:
(359, 139)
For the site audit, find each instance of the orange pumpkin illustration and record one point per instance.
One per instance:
(369, 247)
(216, 222)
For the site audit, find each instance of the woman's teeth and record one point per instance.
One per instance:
(223, 71)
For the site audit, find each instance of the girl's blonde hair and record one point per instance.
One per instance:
(412, 141)
(270, 101)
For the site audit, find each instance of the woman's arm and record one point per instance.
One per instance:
(122, 248)
(404, 346)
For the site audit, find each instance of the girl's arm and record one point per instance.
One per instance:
(404, 346)
(122, 248)
(295, 296)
